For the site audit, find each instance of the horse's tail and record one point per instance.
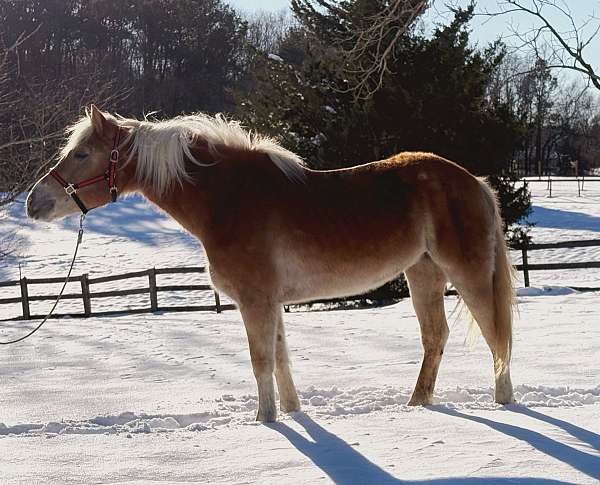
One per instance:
(503, 287)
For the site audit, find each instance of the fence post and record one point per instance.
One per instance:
(217, 302)
(153, 292)
(25, 298)
(85, 293)
(525, 264)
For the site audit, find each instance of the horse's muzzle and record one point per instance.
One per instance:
(39, 207)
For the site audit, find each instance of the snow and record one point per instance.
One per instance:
(275, 57)
(545, 290)
(171, 397)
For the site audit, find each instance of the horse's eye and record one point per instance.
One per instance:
(80, 155)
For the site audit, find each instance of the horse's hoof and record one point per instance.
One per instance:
(504, 400)
(267, 416)
(291, 406)
(291, 409)
(419, 401)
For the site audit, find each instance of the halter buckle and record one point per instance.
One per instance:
(114, 156)
(70, 189)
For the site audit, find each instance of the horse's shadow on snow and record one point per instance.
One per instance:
(586, 463)
(583, 435)
(343, 464)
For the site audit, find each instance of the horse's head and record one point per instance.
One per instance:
(85, 156)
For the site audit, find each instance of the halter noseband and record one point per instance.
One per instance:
(110, 176)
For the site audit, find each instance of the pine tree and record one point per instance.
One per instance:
(435, 99)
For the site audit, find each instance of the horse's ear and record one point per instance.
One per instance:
(101, 125)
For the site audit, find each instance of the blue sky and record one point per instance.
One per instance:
(484, 29)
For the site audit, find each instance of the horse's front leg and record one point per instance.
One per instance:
(261, 322)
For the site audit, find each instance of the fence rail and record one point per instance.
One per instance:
(87, 295)
(549, 180)
(526, 267)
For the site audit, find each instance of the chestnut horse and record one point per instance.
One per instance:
(276, 232)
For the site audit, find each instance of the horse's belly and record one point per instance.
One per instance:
(303, 280)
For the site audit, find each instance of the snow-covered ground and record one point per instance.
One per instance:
(171, 398)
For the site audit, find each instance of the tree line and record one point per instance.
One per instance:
(559, 117)
(299, 77)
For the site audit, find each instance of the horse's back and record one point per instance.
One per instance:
(353, 229)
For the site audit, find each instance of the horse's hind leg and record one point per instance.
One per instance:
(477, 291)
(427, 283)
(261, 322)
(287, 391)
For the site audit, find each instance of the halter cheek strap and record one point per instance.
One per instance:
(110, 176)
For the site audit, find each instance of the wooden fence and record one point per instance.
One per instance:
(526, 267)
(581, 181)
(87, 294)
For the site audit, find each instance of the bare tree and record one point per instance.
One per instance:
(16, 140)
(33, 115)
(374, 43)
(267, 30)
(575, 127)
(560, 48)
(559, 115)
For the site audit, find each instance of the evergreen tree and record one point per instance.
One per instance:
(435, 98)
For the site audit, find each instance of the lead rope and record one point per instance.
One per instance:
(79, 239)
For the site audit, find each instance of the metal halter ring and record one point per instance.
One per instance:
(70, 189)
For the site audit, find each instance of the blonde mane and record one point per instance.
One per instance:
(162, 147)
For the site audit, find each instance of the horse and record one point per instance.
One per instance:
(276, 232)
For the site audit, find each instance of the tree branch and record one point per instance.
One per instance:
(547, 35)
(375, 42)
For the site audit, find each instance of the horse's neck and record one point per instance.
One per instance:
(188, 206)
(203, 206)
(221, 197)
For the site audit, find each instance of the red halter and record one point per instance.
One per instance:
(110, 176)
